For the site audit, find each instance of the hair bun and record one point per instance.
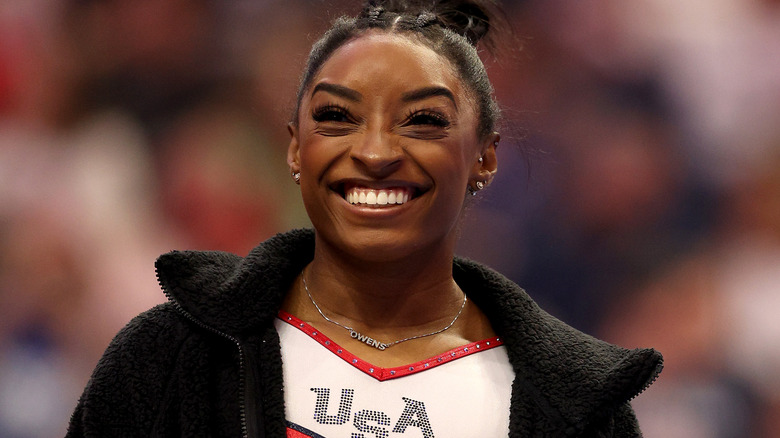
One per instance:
(470, 18)
(466, 18)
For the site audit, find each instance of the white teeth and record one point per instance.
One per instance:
(374, 197)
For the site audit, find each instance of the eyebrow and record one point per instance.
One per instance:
(424, 93)
(338, 90)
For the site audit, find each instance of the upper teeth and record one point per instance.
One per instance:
(377, 197)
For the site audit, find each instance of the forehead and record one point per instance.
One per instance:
(392, 61)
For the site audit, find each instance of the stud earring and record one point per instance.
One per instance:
(296, 176)
(480, 160)
(479, 185)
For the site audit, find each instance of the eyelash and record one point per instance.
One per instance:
(433, 118)
(429, 117)
(319, 114)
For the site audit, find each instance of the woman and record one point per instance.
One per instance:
(367, 326)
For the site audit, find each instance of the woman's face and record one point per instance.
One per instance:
(386, 145)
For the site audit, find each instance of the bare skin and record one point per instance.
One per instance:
(388, 114)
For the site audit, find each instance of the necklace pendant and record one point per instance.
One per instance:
(381, 346)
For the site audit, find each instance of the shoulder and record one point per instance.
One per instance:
(163, 325)
(578, 378)
(144, 348)
(130, 379)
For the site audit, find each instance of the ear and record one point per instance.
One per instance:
(293, 151)
(485, 170)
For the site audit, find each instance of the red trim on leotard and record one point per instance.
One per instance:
(381, 373)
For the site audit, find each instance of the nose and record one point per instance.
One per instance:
(377, 154)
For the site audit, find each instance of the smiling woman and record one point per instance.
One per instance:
(387, 116)
(368, 325)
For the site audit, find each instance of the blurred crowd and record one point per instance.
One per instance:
(638, 195)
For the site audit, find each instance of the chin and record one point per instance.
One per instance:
(385, 245)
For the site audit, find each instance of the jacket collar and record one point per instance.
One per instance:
(571, 374)
(232, 294)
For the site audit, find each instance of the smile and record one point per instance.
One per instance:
(378, 197)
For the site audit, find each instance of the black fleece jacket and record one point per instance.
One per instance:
(208, 362)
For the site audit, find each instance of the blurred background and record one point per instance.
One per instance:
(638, 195)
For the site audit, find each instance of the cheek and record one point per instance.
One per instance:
(456, 160)
(316, 154)
(449, 172)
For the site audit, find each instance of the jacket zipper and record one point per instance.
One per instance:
(241, 356)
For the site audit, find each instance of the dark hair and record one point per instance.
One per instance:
(451, 28)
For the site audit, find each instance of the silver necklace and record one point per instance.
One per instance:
(373, 342)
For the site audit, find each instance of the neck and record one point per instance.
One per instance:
(414, 291)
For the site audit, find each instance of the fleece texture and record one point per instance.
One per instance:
(208, 362)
